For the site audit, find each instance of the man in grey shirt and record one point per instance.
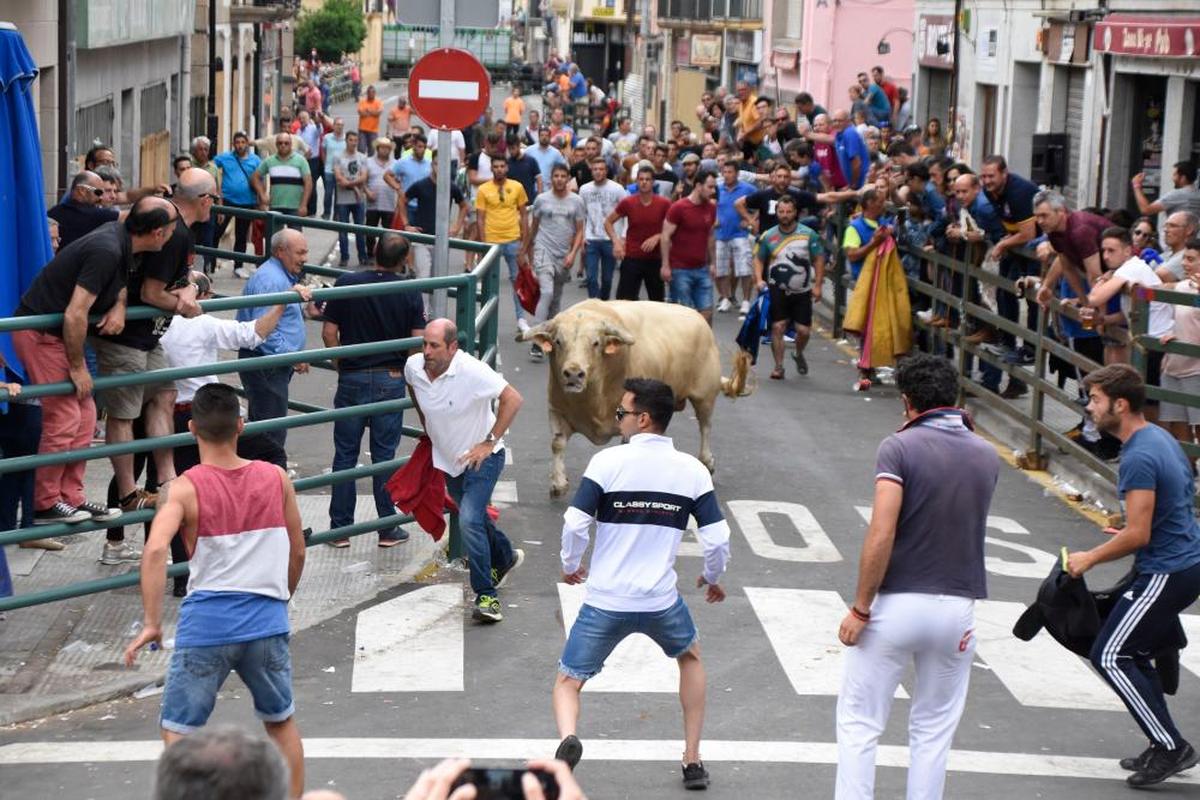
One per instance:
(1184, 197)
(553, 240)
(919, 577)
(351, 176)
(1178, 230)
(600, 197)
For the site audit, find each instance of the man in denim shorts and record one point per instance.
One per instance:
(246, 559)
(689, 244)
(640, 495)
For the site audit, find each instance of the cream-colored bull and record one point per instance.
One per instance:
(595, 345)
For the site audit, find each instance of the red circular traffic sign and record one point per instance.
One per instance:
(449, 88)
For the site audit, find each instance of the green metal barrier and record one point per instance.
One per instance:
(475, 296)
(1042, 388)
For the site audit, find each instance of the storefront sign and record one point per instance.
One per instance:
(935, 33)
(588, 37)
(706, 50)
(1150, 36)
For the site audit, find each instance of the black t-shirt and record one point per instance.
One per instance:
(786, 132)
(764, 203)
(393, 315)
(99, 262)
(76, 220)
(667, 174)
(169, 265)
(581, 171)
(424, 216)
(525, 170)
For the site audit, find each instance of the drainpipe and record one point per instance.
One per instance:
(211, 106)
(68, 146)
(185, 82)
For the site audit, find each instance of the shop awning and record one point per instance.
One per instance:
(1148, 35)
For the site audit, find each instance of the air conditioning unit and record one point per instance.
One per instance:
(1048, 163)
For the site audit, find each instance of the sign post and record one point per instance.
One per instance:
(449, 89)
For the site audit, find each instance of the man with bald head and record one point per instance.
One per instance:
(267, 389)
(1179, 228)
(452, 392)
(159, 279)
(88, 276)
(80, 212)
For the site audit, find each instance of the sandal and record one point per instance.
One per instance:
(777, 374)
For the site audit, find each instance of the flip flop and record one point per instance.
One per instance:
(777, 374)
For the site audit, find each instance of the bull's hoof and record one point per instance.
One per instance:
(558, 490)
(711, 463)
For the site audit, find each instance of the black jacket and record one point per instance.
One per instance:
(1073, 615)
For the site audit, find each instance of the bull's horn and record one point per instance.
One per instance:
(612, 331)
(545, 329)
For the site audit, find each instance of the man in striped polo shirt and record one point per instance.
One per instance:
(289, 179)
(245, 563)
(641, 496)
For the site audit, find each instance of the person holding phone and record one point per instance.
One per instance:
(641, 496)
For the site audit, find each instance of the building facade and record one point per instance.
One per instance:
(1078, 99)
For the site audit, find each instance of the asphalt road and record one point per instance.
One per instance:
(794, 464)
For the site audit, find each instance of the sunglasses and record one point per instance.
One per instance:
(623, 412)
(1142, 233)
(210, 196)
(97, 192)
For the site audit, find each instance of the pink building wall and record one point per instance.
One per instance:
(838, 40)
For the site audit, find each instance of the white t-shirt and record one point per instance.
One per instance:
(458, 144)
(191, 341)
(1162, 318)
(457, 406)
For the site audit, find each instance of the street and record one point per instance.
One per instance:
(388, 687)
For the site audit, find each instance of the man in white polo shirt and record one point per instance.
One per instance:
(452, 392)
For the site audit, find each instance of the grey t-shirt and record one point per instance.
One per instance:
(948, 475)
(1185, 199)
(351, 165)
(600, 202)
(557, 218)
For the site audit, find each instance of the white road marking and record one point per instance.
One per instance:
(808, 650)
(632, 750)
(504, 494)
(411, 643)
(1040, 672)
(428, 89)
(815, 545)
(1189, 657)
(636, 665)
(1037, 562)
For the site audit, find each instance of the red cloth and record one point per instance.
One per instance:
(419, 488)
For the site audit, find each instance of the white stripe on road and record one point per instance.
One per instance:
(504, 494)
(447, 90)
(636, 665)
(802, 626)
(633, 750)
(411, 643)
(1189, 657)
(1040, 672)
(815, 545)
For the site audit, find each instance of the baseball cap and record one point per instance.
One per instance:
(690, 158)
(383, 141)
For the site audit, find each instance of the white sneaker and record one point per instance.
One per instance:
(724, 305)
(745, 309)
(240, 272)
(119, 553)
(925, 315)
(522, 325)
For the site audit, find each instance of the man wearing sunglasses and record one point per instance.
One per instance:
(81, 213)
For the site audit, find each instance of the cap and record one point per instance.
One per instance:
(383, 141)
(910, 129)
(690, 158)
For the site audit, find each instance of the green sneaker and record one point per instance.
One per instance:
(487, 608)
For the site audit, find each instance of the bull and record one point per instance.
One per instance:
(595, 345)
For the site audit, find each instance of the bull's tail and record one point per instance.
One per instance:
(738, 384)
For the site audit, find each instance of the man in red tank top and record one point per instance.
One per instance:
(245, 561)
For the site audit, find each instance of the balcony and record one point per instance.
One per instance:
(716, 11)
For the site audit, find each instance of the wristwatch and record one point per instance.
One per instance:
(490, 438)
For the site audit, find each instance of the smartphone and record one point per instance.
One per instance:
(504, 784)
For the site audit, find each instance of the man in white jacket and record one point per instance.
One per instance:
(640, 495)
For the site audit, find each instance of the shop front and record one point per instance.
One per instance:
(935, 65)
(598, 42)
(1155, 119)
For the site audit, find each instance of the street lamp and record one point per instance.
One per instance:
(883, 48)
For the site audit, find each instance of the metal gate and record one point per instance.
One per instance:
(1076, 79)
(94, 125)
(154, 109)
(937, 97)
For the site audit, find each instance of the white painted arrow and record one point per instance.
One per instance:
(411, 643)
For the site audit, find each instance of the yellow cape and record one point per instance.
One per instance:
(879, 311)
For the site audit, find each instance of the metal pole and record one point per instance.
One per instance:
(441, 246)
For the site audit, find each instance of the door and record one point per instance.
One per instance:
(1026, 89)
(689, 84)
(1076, 79)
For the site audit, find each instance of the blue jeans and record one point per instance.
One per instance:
(599, 262)
(692, 288)
(597, 632)
(20, 433)
(197, 673)
(486, 545)
(353, 389)
(509, 251)
(346, 211)
(328, 186)
(266, 398)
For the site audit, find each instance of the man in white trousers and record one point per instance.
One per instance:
(920, 574)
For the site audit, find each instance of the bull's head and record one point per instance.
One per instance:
(577, 342)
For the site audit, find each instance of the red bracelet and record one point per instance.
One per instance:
(861, 616)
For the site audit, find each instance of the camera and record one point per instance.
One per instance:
(504, 784)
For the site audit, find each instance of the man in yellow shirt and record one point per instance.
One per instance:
(500, 204)
(751, 127)
(370, 109)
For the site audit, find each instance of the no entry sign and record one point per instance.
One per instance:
(449, 88)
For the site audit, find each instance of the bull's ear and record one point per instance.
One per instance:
(615, 336)
(537, 333)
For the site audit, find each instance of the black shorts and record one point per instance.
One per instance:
(796, 307)
(1154, 361)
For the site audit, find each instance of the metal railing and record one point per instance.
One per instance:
(476, 302)
(1049, 404)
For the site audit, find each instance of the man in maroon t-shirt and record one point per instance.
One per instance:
(1075, 237)
(825, 155)
(688, 242)
(639, 251)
